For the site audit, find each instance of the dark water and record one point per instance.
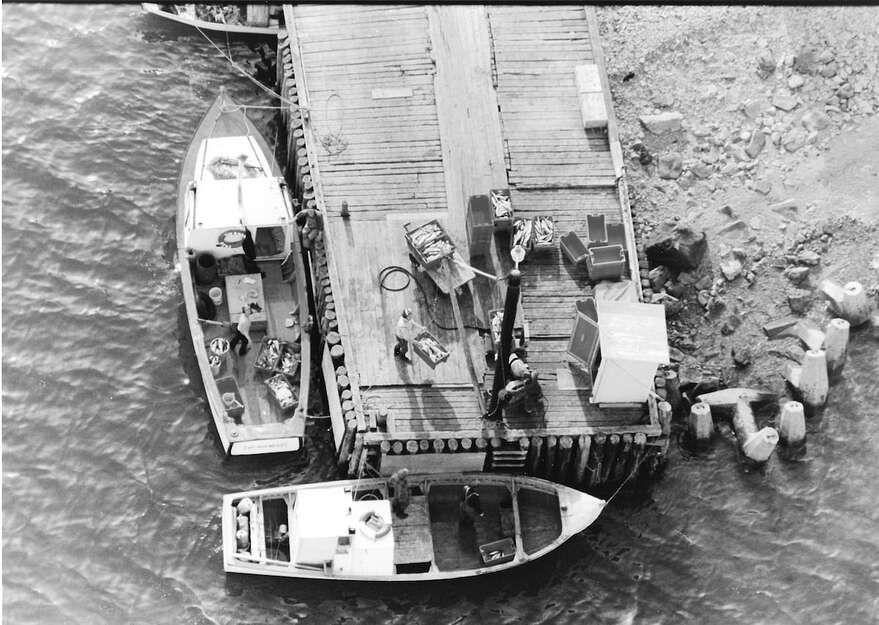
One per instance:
(111, 475)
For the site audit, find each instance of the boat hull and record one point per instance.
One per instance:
(576, 512)
(212, 28)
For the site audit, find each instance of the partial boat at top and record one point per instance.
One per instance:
(237, 246)
(236, 19)
(348, 530)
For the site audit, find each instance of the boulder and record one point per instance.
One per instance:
(731, 324)
(658, 277)
(815, 120)
(731, 269)
(763, 187)
(794, 140)
(784, 102)
(796, 274)
(799, 300)
(753, 109)
(670, 166)
(765, 64)
(808, 257)
(829, 70)
(678, 247)
(804, 61)
(756, 144)
(742, 356)
(662, 122)
(796, 81)
(701, 170)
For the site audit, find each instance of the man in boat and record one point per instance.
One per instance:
(399, 482)
(403, 332)
(309, 222)
(471, 507)
(242, 328)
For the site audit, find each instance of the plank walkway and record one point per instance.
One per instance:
(412, 109)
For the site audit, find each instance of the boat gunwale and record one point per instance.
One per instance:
(153, 8)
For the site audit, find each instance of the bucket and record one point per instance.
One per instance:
(216, 294)
(205, 268)
(216, 365)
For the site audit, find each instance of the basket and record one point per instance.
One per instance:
(288, 360)
(542, 242)
(268, 356)
(428, 259)
(282, 392)
(431, 357)
(502, 209)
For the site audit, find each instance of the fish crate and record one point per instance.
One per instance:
(289, 359)
(282, 392)
(542, 233)
(421, 239)
(429, 349)
(268, 355)
(521, 234)
(502, 209)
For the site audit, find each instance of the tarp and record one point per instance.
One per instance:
(632, 332)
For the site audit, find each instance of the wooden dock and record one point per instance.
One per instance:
(403, 113)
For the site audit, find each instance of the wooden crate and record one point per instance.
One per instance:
(416, 250)
(426, 356)
(501, 223)
(268, 355)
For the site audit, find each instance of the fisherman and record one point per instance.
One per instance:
(309, 222)
(399, 481)
(519, 369)
(404, 332)
(471, 507)
(249, 249)
(242, 328)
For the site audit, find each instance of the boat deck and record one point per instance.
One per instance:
(411, 110)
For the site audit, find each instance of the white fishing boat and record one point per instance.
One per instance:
(238, 248)
(235, 19)
(350, 530)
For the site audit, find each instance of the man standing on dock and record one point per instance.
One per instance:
(403, 332)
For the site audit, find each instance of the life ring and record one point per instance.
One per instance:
(373, 525)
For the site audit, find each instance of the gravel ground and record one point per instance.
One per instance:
(771, 151)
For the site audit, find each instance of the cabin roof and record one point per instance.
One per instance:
(220, 203)
(632, 331)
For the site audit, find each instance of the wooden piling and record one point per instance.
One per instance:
(836, 346)
(548, 456)
(664, 411)
(452, 445)
(623, 456)
(466, 444)
(397, 447)
(345, 446)
(596, 462)
(581, 461)
(337, 353)
(563, 459)
(638, 447)
(700, 426)
(532, 460)
(813, 382)
(673, 392)
(356, 453)
(438, 445)
(412, 447)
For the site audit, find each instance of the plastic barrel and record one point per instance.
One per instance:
(216, 294)
(205, 268)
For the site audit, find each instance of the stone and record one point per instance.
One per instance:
(678, 247)
(796, 81)
(672, 305)
(815, 120)
(742, 356)
(731, 324)
(785, 208)
(756, 144)
(784, 102)
(799, 300)
(845, 91)
(687, 180)
(688, 376)
(765, 64)
(663, 100)
(662, 122)
(658, 277)
(670, 166)
(736, 151)
(689, 278)
(753, 109)
(701, 170)
(829, 70)
(731, 269)
(794, 140)
(826, 56)
(808, 257)
(738, 224)
(804, 61)
(706, 384)
(730, 169)
(642, 153)
(762, 187)
(796, 274)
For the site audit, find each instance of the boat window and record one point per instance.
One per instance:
(277, 529)
(269, 241)
(413, 567)
(541, 521)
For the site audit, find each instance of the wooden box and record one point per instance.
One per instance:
(502, 209)
(432, 359)
(498, 552)
(538, 243)
(417, 249)
(289, 359)
(282, 392)
(268, 356)
(480, 224)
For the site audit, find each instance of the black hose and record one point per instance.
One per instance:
(392, 269)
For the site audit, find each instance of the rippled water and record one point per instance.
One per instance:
(111, 474)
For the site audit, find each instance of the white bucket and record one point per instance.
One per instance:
(216, 295)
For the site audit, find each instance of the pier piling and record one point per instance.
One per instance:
(700, 426)
(792, 429)
(836, 345)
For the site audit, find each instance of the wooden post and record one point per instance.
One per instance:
(836, 345)
(700, 426)
(354, 460)
(610, 456)
(412, 447)
(792, 429)
(438, 445)
(563, 459)
(623, 457)
(466, 444)
(397, 447)
(532, 461)
(345, 446)
(423, 445)
(337, 353)
(597, 460)
(578, 473)
(549, 457)
(665, 413)
(385, 446)
(756, 445)
(638, 444)
(673, 391)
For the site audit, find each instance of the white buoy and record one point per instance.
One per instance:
(836, 345)
(759, 446)
(813, 382)
(792, 425)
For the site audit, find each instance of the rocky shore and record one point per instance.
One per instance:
(750, 138)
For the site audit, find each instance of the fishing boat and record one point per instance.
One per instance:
(239, 249)
(235, 19)
(351, 530)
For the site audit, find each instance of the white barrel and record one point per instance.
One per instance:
(216, 295)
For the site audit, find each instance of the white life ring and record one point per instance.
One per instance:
(370, 528)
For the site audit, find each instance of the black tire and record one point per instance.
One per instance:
(205, 306)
